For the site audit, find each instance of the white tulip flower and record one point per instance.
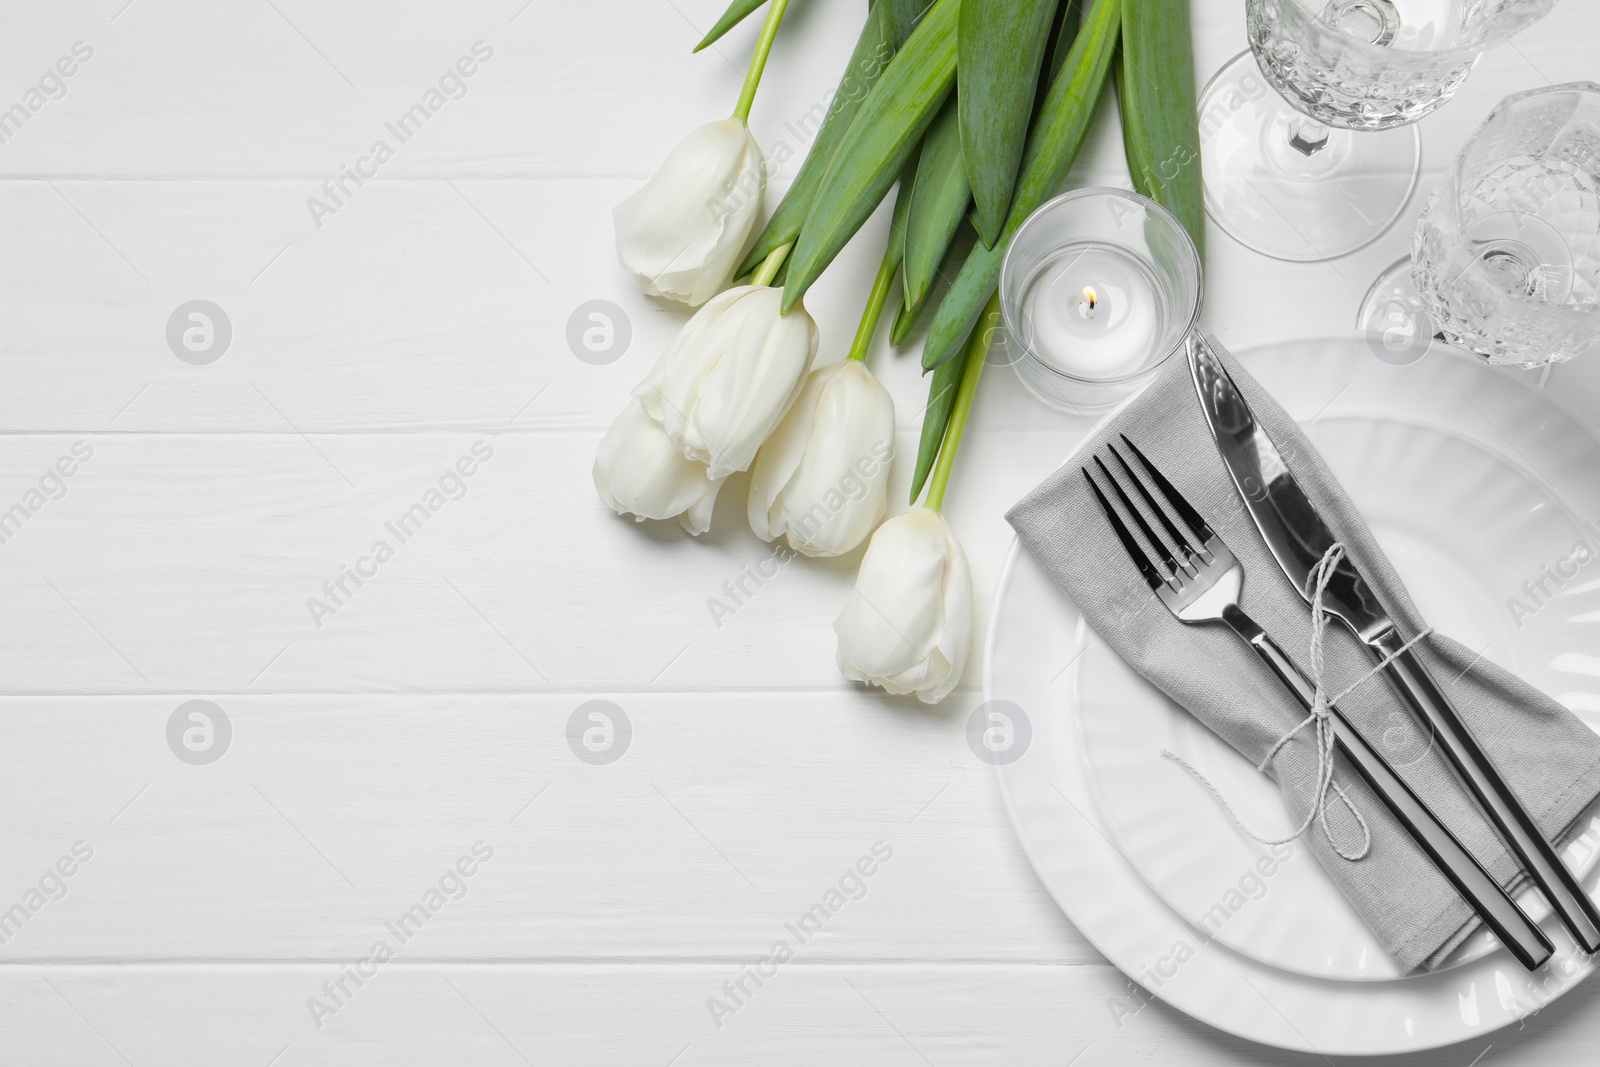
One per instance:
(822, 476)
(681, 234)
(908, 622)
(730, 375)
(639, 471)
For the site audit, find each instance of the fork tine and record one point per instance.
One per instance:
(1138, 517)
(1135, 553)
(1190, 516)
(1179, 537)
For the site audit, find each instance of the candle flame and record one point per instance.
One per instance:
(1089, 295)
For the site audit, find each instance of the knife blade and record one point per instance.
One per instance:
(1287, 519)
(1298, 538)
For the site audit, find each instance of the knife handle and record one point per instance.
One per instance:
(1491, 791)
(1482, 892)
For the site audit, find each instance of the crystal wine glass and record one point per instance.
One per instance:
(1505, 261)
(1326, 164)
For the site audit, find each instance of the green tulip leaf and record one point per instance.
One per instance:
(874, 150)
(939, 199)
(736, 13)
(1052, 146)
(905, 317)
(730, 18)
(943, 390)
(1160, 124)
(1001, 46)
(935, 417)
(1068, 20)
(903, 16)
(902, 209)
(888, 24)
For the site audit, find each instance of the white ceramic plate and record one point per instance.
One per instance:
(1463, 542)
(1457, 404)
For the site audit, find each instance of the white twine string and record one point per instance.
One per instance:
(1319, 717)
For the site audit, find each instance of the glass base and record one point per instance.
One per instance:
(1392, 316)
(1288, 188)
(1397, 325)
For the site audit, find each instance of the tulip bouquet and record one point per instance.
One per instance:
(977, 108)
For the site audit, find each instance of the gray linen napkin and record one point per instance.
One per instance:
(1550, 759)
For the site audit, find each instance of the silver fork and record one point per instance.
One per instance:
(1194, 574)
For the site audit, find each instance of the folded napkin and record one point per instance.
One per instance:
(1547, 755)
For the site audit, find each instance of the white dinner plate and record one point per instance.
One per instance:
(1378, 425)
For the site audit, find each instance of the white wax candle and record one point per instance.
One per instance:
(1092, 313)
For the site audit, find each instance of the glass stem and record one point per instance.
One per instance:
(975, 355)
(875, 301)
(758, 62)
(1308, 137)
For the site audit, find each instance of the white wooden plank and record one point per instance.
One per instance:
(294, 88)
(188, 89)
(352, 326)
(429, 305)
(605, 1014)
(412, 312)
(184, 562)
(726, 816)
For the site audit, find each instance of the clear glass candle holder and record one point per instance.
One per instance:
(1098, 289)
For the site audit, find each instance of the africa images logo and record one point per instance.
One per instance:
(452, 85)
(451, 485)
(51, 85)
(51, 886)
(851, 885)
(451, 885)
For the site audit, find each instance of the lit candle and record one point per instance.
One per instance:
(1092, 313)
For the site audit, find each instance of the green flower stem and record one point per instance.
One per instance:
(758, 62)
(771, 265)
(977, 350)
(875, 301)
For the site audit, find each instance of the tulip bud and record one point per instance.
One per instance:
(639, 471)
(732, 372)
(681, 234)
(821, 477)
(907, 624)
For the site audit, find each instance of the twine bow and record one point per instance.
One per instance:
(1319, 718)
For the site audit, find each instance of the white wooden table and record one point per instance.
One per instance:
(375, 745)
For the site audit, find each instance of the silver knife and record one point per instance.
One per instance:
(1298, 538)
